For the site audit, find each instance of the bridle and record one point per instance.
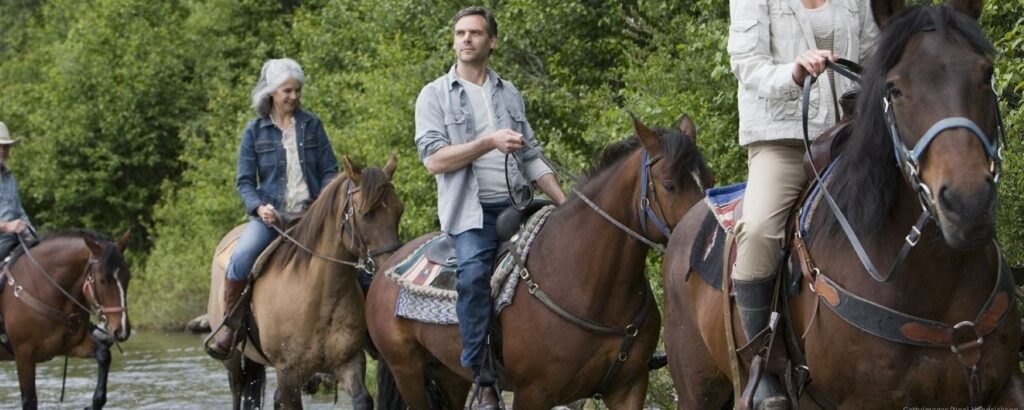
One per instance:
(348, 224)
(365, 255)
(908, 160)
(645, 211)
(90, 294)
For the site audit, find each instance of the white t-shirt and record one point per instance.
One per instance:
(490, 167)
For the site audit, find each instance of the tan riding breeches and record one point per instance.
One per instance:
(774, 182)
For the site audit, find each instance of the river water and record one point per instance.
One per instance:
(157, 371)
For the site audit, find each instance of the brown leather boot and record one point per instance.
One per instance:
(225, 340)
(488, 398)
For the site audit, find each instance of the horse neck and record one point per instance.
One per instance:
(579, 232)
(62, 261)
(932, 271)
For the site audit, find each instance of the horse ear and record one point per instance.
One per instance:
(351, 170)
(391, 166)
(646, 135)
(884, 9)
(122, 243)
(688, 128)
(972, 8)
(95, 247)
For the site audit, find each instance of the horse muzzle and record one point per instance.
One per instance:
(967, 219)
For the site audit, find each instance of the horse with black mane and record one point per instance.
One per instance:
(942, 327)
(595, 327)
(50, 290)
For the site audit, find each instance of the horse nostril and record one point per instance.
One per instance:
(945, 199)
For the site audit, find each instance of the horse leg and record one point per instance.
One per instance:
(233, 365)
(1012, 395)
(99, 397)
(453, 386)
(254, 377)
(289, 388)
(630, 396)
(352, 377)
(26, 380)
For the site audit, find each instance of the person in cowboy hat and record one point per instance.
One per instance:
(13, 219)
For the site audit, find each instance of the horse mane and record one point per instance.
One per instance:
(867, 178)
(680, 151)
(111, 255)
(373, 186)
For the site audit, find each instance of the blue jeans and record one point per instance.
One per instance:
(475, 250)
(251, 243)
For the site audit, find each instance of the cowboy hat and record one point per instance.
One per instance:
(5, 137)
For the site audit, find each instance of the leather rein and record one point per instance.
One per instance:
(964, 339)
(73, 320)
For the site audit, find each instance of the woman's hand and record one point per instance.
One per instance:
(266, 213)
(811, 62)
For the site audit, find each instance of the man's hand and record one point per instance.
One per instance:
(266, 214)
(506, 140)
(811, 62)
(16, 226)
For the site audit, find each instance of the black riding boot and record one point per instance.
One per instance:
(754, 302)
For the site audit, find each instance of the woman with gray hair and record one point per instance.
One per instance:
(284, 160)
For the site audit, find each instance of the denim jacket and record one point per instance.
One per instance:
(262, 170)
(765, 37)
(10, 201)
(444, 117)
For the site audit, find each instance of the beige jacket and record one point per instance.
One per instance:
(765, 37)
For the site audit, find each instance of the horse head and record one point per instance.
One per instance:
(929, 87)
(371, 212)
(106, 285)
(673, 177)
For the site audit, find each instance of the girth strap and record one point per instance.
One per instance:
(628, 333)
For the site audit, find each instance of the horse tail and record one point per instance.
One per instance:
(436, 393)
(658, 361)
(388, 397)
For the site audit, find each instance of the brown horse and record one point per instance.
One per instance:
(586, 265)
(49, 293)
(307, 303)
(888, 341)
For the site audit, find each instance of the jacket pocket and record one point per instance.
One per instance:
(518, 120)
(742, 36)
(455, 123)
(782, 109)
(265, 153)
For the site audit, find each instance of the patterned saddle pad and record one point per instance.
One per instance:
(426, 290)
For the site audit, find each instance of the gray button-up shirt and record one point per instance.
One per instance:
(10, 207)
(444, 117)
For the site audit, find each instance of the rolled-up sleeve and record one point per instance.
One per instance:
(431, 134)
(749, 49)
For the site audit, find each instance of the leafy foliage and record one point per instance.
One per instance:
(132, 111)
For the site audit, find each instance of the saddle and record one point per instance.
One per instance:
(508, 224)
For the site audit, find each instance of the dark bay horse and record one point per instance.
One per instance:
(308, 308)
(50, 291)
(942, 331)
(586, 265)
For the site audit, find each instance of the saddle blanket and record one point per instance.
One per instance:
(426, 290)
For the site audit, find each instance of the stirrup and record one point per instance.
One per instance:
(209, 345)
(476, 398)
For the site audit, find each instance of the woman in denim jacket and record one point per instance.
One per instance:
(284, 161)
(773, 46)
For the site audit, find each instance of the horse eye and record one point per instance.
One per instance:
(669, 186)
(893, 90)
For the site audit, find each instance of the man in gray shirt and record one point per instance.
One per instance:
(13, 219)
(467, 121)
